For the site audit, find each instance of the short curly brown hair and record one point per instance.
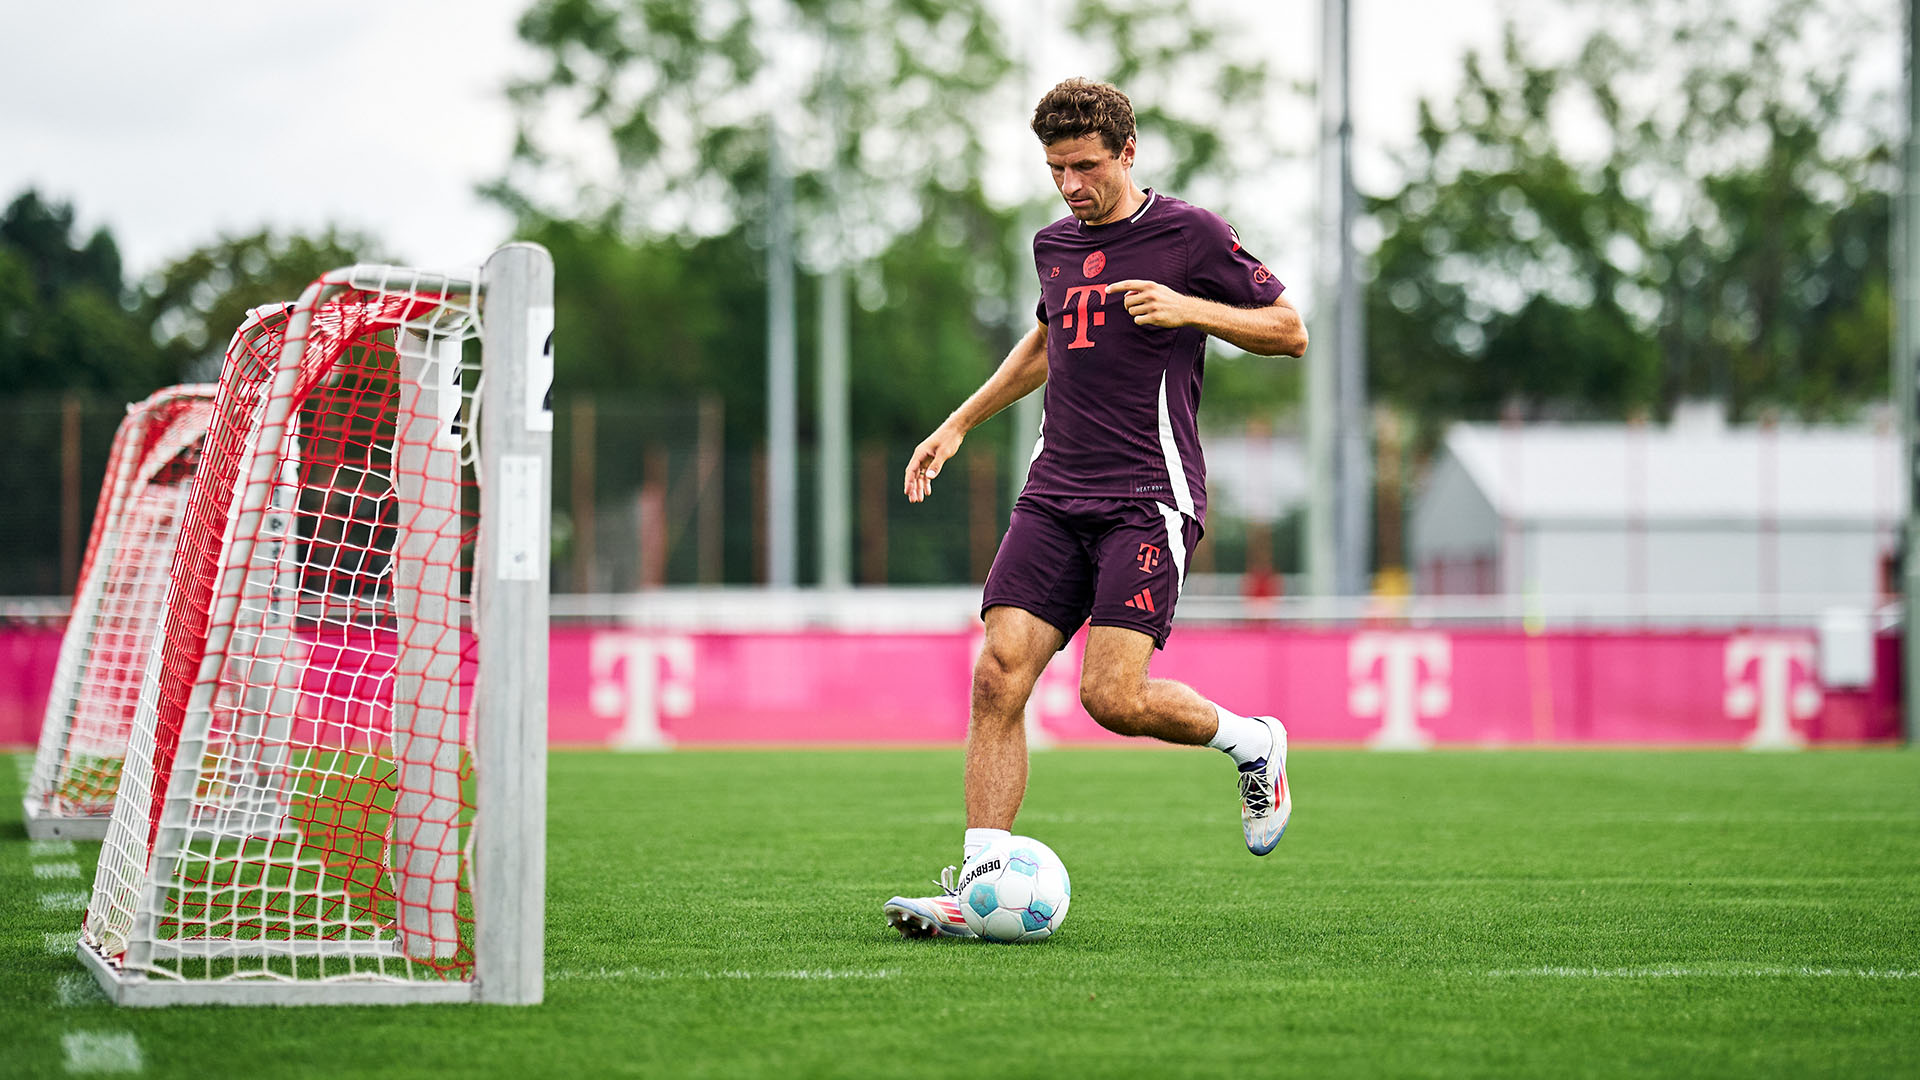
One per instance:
(1078, 107)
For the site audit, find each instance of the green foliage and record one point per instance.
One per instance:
(1726, 238)
(1204, 94)
(196, 302)
(65, 317)
(684, 91)
(662, 259)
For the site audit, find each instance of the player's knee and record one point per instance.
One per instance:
(1116, 707)
(998, 686)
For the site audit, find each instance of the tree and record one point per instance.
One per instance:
(684, 93)
(65, 321)
(196, 302)
(1713, 227)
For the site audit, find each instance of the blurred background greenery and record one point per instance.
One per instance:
(1656, 203)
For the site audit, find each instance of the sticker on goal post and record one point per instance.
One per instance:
(520, 510)
(540, 369)
(449, 432)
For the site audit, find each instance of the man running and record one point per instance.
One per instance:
(1131, 283)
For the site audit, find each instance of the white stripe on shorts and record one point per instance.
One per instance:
(1176, 546)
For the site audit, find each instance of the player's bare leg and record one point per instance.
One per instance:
(1017, 649)
(1117, 692)
(1018, 646)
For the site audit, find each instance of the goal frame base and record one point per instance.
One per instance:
(138, 991)
(43, 825)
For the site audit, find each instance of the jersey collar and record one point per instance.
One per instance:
(1152, 197)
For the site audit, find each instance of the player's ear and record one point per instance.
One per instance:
(1127, 151)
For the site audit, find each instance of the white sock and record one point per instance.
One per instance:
(978, 839)
(1242, 738)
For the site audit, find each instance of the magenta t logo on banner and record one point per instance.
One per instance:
(1400, 678)
(1770, 678)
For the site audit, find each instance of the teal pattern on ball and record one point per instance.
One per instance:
(982, 899)
(1036, 915)
(1024, 861)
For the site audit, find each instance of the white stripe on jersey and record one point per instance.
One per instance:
(1040, 440)
(1176, 547)
(1176, 473)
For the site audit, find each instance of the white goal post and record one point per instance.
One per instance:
(115, 611)
(334, 791)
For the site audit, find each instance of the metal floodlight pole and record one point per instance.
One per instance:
(1337, 438)
(1906, 374)
(1026, 414)
(782, 360)
(835, 500)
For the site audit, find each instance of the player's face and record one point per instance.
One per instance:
(1093, 179)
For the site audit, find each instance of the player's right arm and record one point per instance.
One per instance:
(1022, 372)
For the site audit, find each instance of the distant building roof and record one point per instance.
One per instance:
(1690, 471)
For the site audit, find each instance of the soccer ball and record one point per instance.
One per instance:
(1014, 890)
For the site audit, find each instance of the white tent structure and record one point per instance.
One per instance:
(1698, 509)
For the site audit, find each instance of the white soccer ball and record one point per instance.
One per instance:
(1014, 890)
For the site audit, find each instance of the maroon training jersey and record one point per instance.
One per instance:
(1123, 400)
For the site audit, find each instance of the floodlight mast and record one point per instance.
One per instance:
(1338, 522)
(1906, 373)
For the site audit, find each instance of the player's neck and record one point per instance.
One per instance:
(1129, 203)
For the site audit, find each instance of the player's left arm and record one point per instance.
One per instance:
(1275, 329)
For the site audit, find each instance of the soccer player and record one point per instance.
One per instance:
(1131, 285)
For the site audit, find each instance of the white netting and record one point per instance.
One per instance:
(297, 799)
(116, 611)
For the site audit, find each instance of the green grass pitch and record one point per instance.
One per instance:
(1448, 914)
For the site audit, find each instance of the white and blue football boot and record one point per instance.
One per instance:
(1265, 801)
(929, 916)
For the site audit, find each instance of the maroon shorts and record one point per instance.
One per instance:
(1122, 561)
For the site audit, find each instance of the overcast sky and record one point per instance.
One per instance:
(174, 123)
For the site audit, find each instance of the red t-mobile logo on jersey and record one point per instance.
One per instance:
(1080, 294)
(1149, 557)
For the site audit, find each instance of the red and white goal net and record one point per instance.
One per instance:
(299, 799)
(116, 609)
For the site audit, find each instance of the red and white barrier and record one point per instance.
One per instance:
(620, 686)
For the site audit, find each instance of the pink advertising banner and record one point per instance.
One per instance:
(615, 686)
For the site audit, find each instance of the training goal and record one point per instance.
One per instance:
(334, 788)
(116, 609)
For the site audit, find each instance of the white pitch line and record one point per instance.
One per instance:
(47, 849)
(63, 901)
(77, 988)
(102, 1052)
(649, 975)
(62, 944)
(49, 871)
(1729, 971)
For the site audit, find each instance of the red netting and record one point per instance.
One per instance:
(116, 611)
(333, 791)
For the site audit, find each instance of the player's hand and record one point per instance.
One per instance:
(1153, 304)
(927, 458)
